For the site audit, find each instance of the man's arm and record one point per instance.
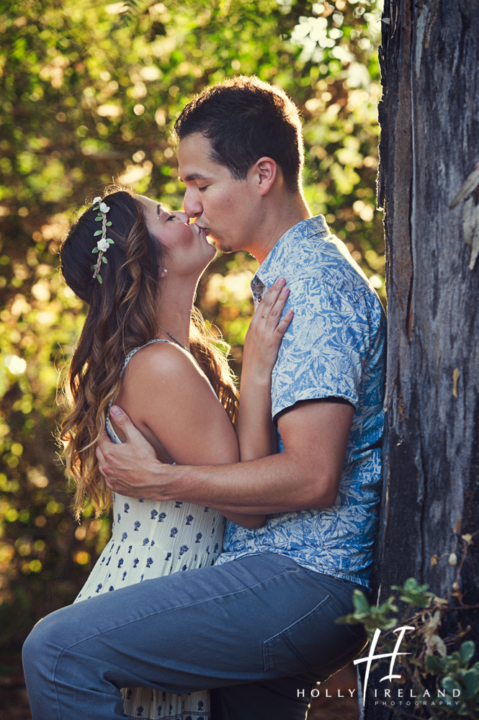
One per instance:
(306, 475)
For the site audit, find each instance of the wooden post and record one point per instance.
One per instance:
(429, 151)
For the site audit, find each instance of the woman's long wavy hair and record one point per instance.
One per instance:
(122, 315)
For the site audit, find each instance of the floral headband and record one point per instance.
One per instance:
(103, 243)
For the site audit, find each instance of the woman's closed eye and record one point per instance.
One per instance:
(160, 212)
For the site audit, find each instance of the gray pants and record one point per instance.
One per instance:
(260, 630)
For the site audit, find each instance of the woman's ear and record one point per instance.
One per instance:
(264, 174)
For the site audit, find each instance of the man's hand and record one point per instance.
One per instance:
(306, 475)
(123, 466)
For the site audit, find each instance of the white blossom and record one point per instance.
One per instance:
(97, 199)
(102, 245)
(104, 207)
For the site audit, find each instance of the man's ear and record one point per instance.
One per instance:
(264, 173)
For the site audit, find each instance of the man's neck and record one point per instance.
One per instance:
(277, 222)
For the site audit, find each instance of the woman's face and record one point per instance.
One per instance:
(188, 251)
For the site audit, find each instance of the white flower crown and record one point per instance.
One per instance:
(103, 243)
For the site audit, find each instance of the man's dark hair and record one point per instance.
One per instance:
(245, 119)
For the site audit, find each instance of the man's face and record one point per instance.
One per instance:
(222, 205)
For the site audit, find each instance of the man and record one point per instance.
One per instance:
(259, 625)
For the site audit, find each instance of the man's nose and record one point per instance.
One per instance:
(192, 203)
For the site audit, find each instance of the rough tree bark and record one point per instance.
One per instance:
(429, 151)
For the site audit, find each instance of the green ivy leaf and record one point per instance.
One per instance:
(390, 624)
(98, 218)
(360, 602)
(98, 232)
(471, 681)
(98, 277)
(95, 250)
(104, 259)
(450, 684)
(109, 223)
(434, 664)
(110, 241)
(467, 650)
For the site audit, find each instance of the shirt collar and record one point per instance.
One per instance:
(273, 264)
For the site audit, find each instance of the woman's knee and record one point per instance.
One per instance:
(32, 652)
(44, 641)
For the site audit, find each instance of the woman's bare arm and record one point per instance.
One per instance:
(256, 432)
(172, 403)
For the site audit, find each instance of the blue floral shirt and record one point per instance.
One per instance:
(334, 347)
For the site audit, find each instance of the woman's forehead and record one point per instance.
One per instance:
(146, 200)
(149, 202)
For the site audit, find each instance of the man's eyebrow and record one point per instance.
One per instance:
(195, 176)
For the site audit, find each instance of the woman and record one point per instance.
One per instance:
(178, 390)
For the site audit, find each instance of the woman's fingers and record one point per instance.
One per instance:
(267, 329)
(283, 325)
(269, 299)
(267, 321)
(278, 306)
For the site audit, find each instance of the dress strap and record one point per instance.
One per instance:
(109, 427)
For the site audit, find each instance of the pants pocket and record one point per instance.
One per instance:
(289, 651)
(314, 643)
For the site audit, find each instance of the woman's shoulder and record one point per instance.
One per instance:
(160, 365)
(172, 403)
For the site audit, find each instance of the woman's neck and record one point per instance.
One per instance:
(174, 313)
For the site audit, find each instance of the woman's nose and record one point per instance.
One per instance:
(182, 216)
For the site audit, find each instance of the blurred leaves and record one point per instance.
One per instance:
(89, 94)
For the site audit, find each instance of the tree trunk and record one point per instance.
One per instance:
(429, 118)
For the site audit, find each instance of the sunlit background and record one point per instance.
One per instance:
(89, 94)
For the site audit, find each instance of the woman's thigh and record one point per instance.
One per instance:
(253, 619)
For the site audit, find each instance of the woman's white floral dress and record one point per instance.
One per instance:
(150, 539)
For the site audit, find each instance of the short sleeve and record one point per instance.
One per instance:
(325, 348)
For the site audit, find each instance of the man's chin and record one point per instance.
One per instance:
(222, 246)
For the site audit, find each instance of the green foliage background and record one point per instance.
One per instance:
(89, 94)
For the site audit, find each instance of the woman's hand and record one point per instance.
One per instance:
(266, 332)
(256, 432)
